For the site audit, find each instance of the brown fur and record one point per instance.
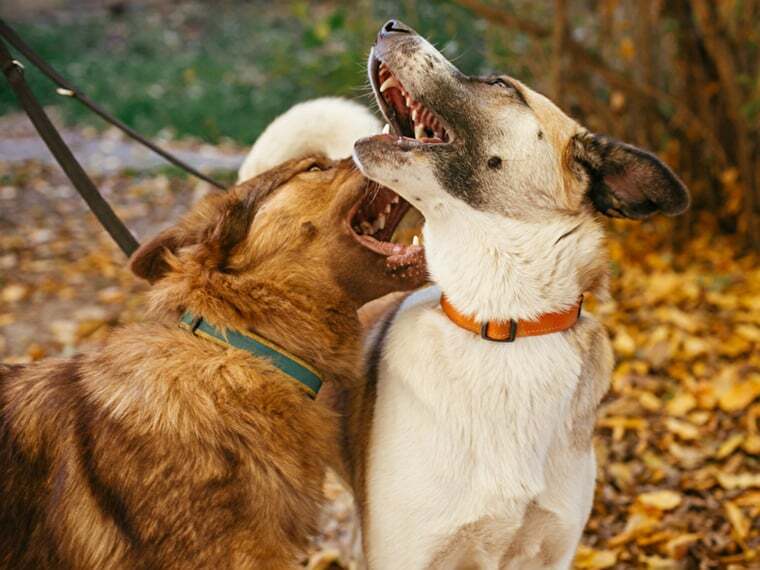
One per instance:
(165, 450)
(355, 404)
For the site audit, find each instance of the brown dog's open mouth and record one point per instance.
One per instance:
(385, 223)
(414, 123)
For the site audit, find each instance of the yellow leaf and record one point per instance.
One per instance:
(663, 500)
(624, 344)
(752, 444)
(658, 563)
(682, 429)
(748, 499)
(679, 546)
(14, 293)
(734, 346)
(739, 396)
(749, 332)
(681, 404)
(729, 446)
(737, 519)
(694, 346)
(588, 557)
(649, 401)
(738, 481)
(639, 524)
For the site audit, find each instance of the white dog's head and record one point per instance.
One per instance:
(496, 144)
(497, 167)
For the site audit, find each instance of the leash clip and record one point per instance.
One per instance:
(510, 338)
(14, 63)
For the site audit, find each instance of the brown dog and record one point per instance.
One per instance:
(167, 450)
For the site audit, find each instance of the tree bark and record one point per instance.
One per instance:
(723, 56)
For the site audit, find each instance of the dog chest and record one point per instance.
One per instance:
(462, 427)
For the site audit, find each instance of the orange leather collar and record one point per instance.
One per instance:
(507, 331)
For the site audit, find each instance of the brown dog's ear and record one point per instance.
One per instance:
(149, 261)
(626, 181)
(218, 222)
(236, 216)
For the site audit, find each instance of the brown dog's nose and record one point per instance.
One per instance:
(392, 27)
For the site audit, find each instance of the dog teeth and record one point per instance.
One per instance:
(395, 200)
(387, 209)
(415, 114)
(380, 222)
(415, 240)
(388, 83)
(386, 129)
(366, 227)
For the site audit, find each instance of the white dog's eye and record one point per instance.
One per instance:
(509, 87)
(503, 83)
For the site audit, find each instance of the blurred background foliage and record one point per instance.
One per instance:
(681, 77)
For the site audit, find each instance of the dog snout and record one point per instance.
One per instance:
(393, 28)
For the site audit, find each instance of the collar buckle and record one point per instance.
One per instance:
(512, 332)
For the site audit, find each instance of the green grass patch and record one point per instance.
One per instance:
(224, 70)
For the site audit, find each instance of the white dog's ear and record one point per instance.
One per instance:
(627, 181)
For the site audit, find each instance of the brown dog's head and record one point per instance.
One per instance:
(288, 229)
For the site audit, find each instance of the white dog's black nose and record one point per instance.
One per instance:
(392, 27)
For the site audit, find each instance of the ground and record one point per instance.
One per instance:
(678, 437)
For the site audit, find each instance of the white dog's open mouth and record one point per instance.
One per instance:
(385, 223)
(410, 120)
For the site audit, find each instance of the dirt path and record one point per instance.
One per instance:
(107, 152)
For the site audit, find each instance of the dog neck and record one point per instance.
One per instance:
(311, 320)
(494, 268)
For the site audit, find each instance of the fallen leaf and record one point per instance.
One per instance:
(739, 396)
(13, 293)
(663, 500)
(737, 519)
(590, 558)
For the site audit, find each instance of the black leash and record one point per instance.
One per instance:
(14, 73)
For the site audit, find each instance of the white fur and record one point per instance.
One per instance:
(465, 428)
(328, 125)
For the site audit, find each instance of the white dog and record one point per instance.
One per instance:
(470, 445)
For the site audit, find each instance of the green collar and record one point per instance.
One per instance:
(257, 346)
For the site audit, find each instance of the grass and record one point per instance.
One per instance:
(224, 70)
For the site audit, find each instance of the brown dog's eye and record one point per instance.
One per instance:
(315, 168)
